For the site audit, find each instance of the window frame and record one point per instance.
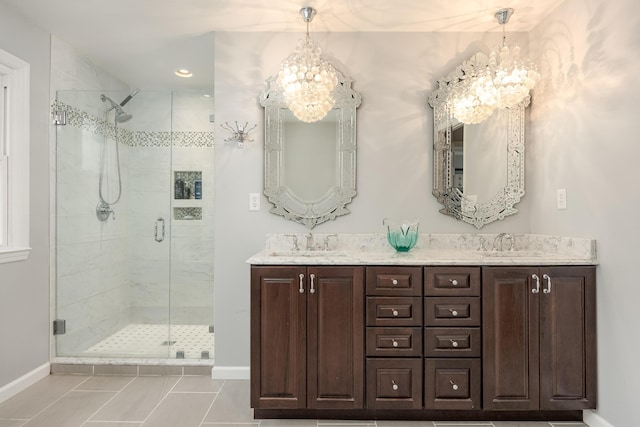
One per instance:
(16, 140)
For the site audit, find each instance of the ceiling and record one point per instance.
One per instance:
(120, 35)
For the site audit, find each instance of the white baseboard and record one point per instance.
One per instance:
(592, 419)
(28, 379)
(230, 373)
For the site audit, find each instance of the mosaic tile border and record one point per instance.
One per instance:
(87, 122)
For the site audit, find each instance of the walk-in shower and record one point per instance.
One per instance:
(139, 284)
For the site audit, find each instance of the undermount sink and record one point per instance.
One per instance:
(512, 254)
(310, 254)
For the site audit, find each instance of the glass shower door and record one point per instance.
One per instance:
(113, 224)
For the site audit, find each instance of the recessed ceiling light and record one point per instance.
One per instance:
(182, 72)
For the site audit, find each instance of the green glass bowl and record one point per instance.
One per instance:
(402, 237)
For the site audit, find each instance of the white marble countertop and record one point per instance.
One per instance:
(431, 249)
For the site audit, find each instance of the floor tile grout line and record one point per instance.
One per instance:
(204, 417)
(59, 398)
(107, 402)
(161, 400)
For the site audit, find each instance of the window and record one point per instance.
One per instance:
(14, 158)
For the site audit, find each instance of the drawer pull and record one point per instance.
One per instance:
(454, 343)
(312, 289)
(395, 343)
(301, 290)
(453, 312)
(454, 282)
(394, 281)
(395, 386)
(395, 313)
(454, 386)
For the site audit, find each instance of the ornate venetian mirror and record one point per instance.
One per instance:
(478, 169)
(310, 168)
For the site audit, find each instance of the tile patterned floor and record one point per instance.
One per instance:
(146, 340)
(167, 401)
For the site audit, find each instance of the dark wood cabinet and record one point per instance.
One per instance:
(423, 342)
(394, 338)
(307, 337)
(452, 349)
(539, 345)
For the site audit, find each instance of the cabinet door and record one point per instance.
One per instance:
(567, 338)
(278, 337)
(510, 339)
(335, 369)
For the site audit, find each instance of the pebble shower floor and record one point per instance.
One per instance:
(142, 340)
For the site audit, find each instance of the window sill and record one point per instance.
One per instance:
(14, 254)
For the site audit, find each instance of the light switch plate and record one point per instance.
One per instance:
(254, 201)
(561, 198)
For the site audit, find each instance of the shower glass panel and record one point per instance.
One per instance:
(134, 210)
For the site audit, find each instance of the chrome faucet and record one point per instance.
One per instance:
(294, 244)
(309, 237)
(325, 246)
(497, 243)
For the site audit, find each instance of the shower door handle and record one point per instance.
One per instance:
(161, 237)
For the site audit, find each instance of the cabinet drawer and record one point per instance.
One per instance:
(452, 384)
(452, 342)
(394, 311)
(452, 311)
(394, 383)
(452, 281)
(394, 281)
(394, 342)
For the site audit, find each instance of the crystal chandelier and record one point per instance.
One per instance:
(307, 79)
(503, 83)
(513, 77)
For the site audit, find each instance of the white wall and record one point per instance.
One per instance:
(24, 286)
(395, 73)
(584, 138)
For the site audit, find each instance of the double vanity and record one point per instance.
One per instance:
(462, 327)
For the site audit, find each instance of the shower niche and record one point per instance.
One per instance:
(187, 195)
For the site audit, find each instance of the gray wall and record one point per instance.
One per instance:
(24, 286)
(584, 139)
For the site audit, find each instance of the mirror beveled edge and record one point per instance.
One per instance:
(502, 203)
(286, 202)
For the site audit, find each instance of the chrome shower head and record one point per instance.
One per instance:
(121, 115)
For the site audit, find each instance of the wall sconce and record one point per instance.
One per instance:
(239, 134)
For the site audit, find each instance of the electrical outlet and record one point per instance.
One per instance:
(561, 198)
(254, 201)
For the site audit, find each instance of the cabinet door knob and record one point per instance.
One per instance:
(301, 290)
(454, 282)
(395, 313)
(312, 289)
(547, 290)
(536, 290)
(454, 343)
(454, 386)
(395, 386)
(395, 343)
(453, 312)
(394, 281)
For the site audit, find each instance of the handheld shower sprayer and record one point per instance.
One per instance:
(121, 115)
(128, 98)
